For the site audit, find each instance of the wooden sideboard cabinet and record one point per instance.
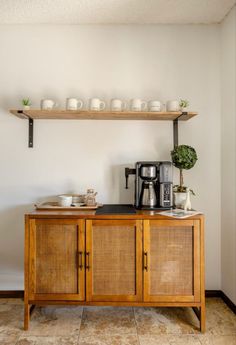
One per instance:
(137, 260)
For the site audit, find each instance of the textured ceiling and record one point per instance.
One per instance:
(113, 11)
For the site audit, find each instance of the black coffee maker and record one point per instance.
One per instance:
(153, 185)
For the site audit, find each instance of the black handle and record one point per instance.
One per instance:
(87, 261)
(80, 260)
(126, 178)
(145, 261)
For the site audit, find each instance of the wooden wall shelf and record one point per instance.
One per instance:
(57, 114)
(100, 115)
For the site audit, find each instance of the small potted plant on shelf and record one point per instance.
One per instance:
(26, 103)
(183, 103)
(183, 157)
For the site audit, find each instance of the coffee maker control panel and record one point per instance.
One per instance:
(166, 195)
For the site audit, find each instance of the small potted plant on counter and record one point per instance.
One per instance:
(184, 157)
(26, 103)
(183, 103)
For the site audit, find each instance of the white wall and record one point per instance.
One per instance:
(228, 132)
(152, 62)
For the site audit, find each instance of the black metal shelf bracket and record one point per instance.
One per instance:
(176, 132)
(31, 132)
(176, 128)
(31, 128)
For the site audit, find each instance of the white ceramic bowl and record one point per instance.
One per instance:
(65, 200)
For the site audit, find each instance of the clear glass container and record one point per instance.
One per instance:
(90, 198)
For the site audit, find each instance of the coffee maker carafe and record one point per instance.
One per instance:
(148, 197)
(153, 185)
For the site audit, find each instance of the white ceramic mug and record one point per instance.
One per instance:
(96, 104)
(138, 105)
(73, 104)
(172, 106)
(47, 104)
(118, 104)
(65, 200)
(154, 106)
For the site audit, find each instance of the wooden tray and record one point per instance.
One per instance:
(53, 205)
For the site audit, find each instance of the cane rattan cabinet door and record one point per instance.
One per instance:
(113, 260)
(56, 255)
(171, 261)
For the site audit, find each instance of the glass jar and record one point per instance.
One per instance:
(90, 198)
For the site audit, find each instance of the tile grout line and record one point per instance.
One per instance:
(136, 328)
(80, 325)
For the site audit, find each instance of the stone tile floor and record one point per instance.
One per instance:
(116, 326)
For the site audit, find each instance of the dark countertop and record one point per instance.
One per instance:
(116, 209)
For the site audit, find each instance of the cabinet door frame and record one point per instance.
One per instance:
(80, 296)
(196, 261)
(138, 264)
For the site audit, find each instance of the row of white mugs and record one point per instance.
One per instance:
(95, 104)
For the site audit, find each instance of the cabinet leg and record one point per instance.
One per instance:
(203, 318)
(201, 315)
(26, 316)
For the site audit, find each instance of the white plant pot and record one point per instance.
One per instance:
(179, 199)
(26, 107)
(184, 109)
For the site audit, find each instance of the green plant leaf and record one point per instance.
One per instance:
(26, 101)
(184, 157)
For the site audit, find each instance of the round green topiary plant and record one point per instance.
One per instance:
(183, 157)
